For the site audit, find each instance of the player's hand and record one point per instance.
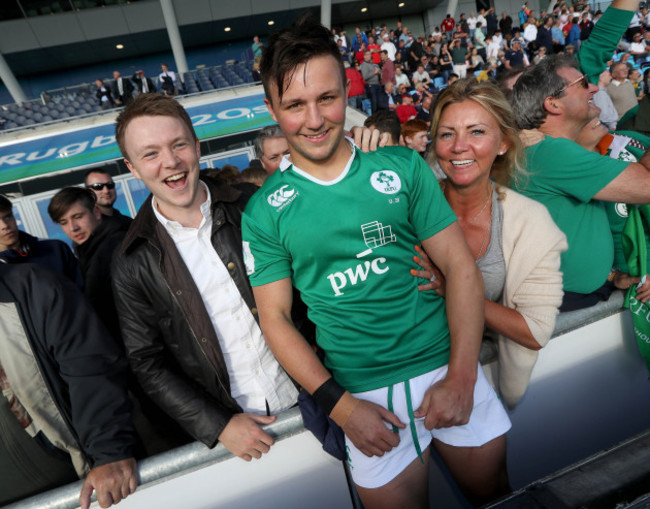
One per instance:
(435, 280)
(447, 403)
(368, 140)
(244, 437)
(112, 482)
(367, 428)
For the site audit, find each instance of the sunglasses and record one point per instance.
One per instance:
(582, 80)
(101, 185)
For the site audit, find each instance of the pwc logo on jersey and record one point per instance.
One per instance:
(375, 235)
(282, 197)
(386, 181)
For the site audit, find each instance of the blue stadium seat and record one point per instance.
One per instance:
(439, 82)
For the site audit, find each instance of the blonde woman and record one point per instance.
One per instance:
(514, 241)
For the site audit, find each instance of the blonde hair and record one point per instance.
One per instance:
(507, 166)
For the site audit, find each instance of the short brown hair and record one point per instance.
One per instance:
(290, 47)
(66, 198)
(253, 175)
(149, 105)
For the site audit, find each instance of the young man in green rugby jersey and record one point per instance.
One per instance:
(401, 366)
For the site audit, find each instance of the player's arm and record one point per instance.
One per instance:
(450, 401)
(362, 421)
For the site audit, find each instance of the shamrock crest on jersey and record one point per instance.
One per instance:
(386, 181)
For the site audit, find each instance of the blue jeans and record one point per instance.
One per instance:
(356, 101)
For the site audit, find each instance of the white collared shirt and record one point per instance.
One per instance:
(256, 377)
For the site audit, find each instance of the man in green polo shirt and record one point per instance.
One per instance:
(572, 182)
(340, 225)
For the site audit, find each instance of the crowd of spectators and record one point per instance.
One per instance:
(387, 65)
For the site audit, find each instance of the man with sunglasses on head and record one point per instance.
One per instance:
(556, 99)
(101, 183)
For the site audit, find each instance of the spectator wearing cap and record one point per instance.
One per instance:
(388, 47)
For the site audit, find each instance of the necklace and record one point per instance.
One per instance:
(489, 198)
(488, 229)
(485, 237)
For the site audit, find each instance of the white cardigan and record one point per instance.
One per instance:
(532, 244)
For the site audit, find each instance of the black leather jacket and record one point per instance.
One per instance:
(169, 338)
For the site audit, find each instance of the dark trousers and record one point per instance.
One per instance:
(573, 301)
(373, 92)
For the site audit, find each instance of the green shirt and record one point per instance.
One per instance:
(598, 49)
(348, 245)
(458, 55)
(565, 177)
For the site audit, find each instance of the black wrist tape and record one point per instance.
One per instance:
(328, 395)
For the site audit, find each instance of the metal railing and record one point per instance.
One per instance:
(167, 465)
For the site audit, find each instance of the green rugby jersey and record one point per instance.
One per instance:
(348, 245)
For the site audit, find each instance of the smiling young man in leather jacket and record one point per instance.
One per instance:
(187, 314)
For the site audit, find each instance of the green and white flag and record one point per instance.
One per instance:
(635, 249)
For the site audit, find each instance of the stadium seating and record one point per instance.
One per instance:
(79, 100)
